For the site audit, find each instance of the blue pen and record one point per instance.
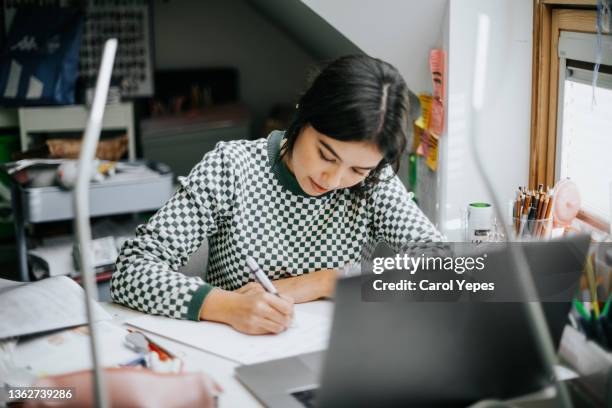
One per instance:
(140, 361)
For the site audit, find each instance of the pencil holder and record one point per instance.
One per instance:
(530, 230)
(599, 330)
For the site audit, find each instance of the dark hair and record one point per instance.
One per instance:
(356, 98)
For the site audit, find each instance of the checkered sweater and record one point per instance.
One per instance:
(246, 202)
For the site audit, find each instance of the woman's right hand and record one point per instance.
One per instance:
(252, 312)
(258, 312)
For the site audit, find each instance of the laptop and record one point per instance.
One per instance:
(424, 354)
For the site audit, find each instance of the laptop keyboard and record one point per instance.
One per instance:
(306, 398)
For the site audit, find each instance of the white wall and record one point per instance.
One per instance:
(503, 125)
(214, 33)
(402, 32)
(398, 31)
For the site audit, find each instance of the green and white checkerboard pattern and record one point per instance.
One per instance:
(236, 199)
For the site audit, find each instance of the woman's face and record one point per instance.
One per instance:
(320, 163)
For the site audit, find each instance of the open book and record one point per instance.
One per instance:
(49, 304)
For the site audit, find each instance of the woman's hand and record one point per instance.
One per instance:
(303, 288)
(309, 286)
(251, 287)
(254, 311)
(260, 312)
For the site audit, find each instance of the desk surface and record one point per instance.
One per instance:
(235, 394)
(219, 368)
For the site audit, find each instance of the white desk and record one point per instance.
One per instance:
(218, 368)
(236, 395)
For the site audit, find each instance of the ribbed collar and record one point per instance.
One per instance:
(280, 169)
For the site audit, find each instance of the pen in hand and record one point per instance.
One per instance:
(261, 277)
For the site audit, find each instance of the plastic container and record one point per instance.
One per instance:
(479, 222)
(532, 229)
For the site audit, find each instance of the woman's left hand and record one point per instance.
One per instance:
(251, 287)
(303, 288)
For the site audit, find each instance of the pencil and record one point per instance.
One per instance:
(527, 205)
(549, 207)
(542, 214)
(525, 214)
(543, 198)
(517, 211)
(536, 204)
(592, 284)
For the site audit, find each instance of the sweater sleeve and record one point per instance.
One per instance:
(146, 276)
(396, 219)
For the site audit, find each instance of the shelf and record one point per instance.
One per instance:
(45, 204)
(137, 192)
(74, 118)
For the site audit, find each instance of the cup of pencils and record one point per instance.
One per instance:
(596, 326)
(532, 214)
(593, 312)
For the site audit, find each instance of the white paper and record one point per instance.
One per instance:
(6, 284)
(309, 333)
(564, 373)
(57, 257)
(48, 304)
(12, 84)
(35, 88)
(69, 350)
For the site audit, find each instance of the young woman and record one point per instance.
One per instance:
(303, 203)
